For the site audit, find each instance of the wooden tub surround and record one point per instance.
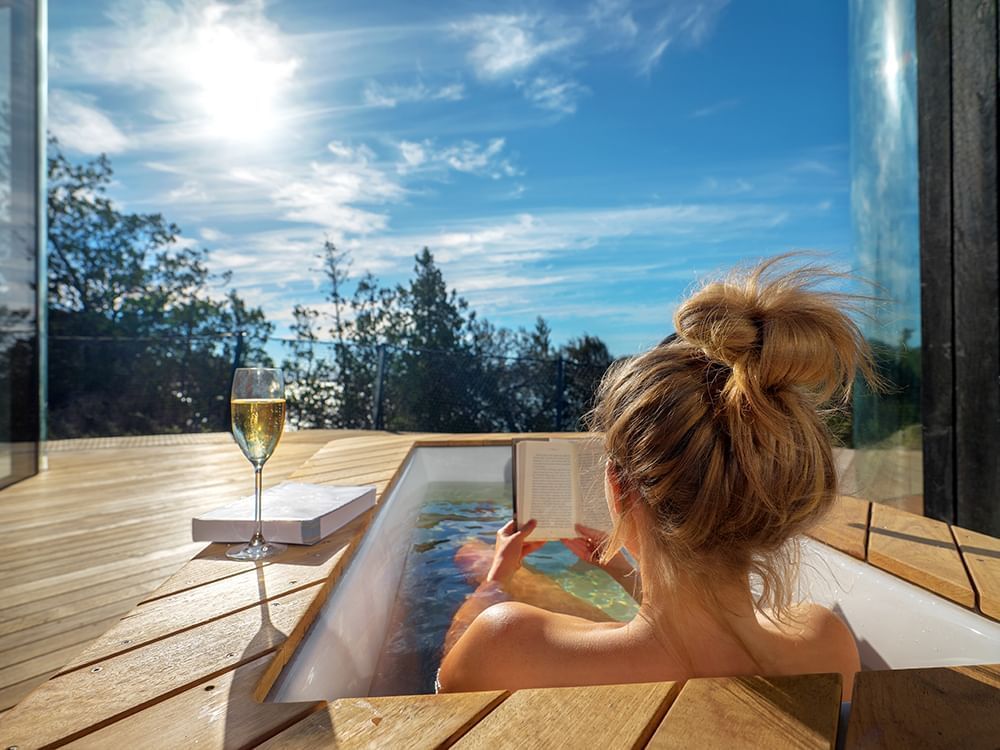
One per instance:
(192, 663)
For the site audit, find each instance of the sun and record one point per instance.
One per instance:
(237, 84)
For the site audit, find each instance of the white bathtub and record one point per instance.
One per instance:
(896, 624)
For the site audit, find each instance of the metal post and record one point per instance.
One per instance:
(41, 226)
(237, 362)
(238, 353)
(560, 392)
(378, 418)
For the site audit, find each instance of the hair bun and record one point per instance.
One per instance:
(774, 329)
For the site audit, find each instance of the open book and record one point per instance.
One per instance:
(560, 483)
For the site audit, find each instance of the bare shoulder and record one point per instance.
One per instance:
(506, 647)
(830, 644)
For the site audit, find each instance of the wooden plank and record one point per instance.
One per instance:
(727, 712)
(137, 504)
(411, 721)
(920, 550)
(215, 713)
(350, 474)
(604, 716)
(120, 588)
(79, 702)
(949, 707)
(86, 574)
(976, 263)
(845, 527)
(296, 568)
(981, 554)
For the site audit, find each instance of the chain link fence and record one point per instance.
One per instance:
(105, 386)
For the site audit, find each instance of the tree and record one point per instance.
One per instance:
(440, 366)
(586, 360)
(142, 336)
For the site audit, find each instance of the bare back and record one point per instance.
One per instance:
(512, 646)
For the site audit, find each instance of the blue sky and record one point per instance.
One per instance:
(587, 162)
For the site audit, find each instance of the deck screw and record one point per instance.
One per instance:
(96, 669)
(292, 583)
(126, 642)
(230, 654)
(209, 688)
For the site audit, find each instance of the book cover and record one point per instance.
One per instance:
(293, 513)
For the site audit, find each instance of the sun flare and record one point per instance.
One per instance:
(236, 86)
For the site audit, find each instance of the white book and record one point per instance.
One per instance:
(293, 512)
(560, 483)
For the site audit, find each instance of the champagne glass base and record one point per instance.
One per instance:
(255, 551)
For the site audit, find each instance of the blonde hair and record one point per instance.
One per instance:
(718, 433)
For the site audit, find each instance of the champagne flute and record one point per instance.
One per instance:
(257, 404)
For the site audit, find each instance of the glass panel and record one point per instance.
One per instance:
(18, 251)
(887, 462)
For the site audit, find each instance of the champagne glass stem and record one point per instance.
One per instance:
(258, 535)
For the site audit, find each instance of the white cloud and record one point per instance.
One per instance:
(536, 236)
(79, 125)
(505, 45)
(389, 95)
(652, 57)
(328, 195)
(716, 108)
(189, 192)
(616, 16)
(467, 156)
(212, 235)
(220, 68)
(554, 94)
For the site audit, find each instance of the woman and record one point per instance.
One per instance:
(717, 455)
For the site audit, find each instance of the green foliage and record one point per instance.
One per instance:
(890, 418)
(142, 335)
(417, 354)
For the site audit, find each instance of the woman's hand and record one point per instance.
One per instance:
(589, 546)
(510, 549)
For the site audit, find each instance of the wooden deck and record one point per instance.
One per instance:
(191, 663)
(104, 526)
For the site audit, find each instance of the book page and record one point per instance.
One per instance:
(591, 505)
(547, 471)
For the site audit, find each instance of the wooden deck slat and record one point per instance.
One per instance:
(845, 526)
(193, 636)
(297, 568)
(210, 714)
(46, 608)
(604, 716)
(949, 707)
(418, 721)
(981, 554)
(120, 519)
(377, 473)
(79, 702)
(724, 713)
(83, 576)
(920, 550)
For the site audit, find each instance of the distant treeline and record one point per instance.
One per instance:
(143, 338)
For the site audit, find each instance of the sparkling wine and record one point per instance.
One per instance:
(257, 426)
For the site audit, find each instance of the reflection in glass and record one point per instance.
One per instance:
(19, 196)
(887, 463)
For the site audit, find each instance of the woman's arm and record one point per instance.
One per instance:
(589, 546)
(510, 549)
